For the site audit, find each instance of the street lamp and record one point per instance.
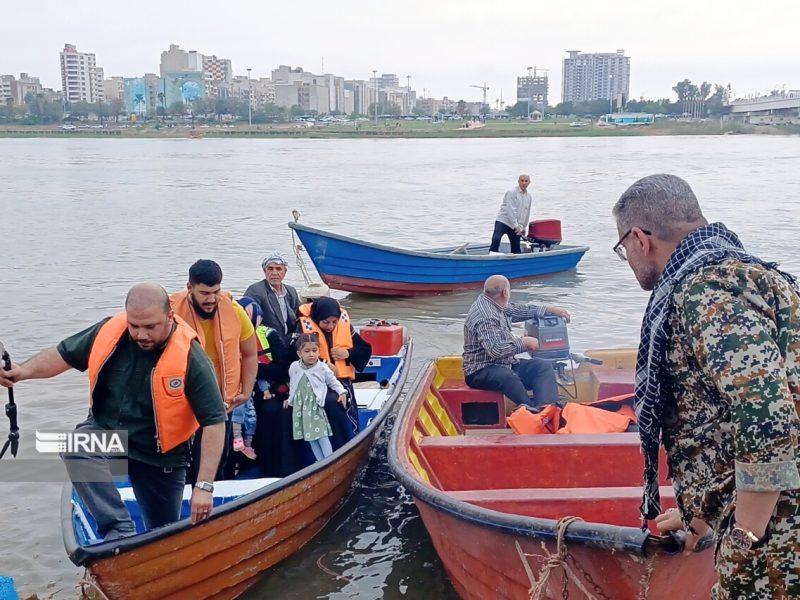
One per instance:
(249, 100)
(530, 92)
(375, 79)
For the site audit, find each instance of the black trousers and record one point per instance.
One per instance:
(501, 229)
(533, 374)
(158, 491)
(197, 442)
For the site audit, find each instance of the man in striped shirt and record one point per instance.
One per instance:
(490, 349)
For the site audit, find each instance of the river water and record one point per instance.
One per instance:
(81, 220)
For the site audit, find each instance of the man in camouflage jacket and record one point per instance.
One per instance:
(718, 378)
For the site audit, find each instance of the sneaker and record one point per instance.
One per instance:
(238, 445)
(249, 453)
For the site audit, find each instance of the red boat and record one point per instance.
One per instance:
(536, 516)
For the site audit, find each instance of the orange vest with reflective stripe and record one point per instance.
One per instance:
(227, 333)
(175, 420)
(342, 338)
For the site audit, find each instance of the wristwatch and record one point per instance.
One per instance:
(744, 539)
(205, 486)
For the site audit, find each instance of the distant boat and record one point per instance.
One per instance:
(353, 265)
(255, 524)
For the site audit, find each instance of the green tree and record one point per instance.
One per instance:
(385, 108)
(177, 109)
(296, 111)
(520, 109)
(461, 107)
(116, 107)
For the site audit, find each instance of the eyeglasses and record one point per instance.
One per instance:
(619, 249)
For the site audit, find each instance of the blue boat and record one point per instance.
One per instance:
(353, 265)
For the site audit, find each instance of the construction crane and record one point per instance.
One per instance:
(485, 89)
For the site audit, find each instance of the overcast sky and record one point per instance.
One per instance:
(444, 45)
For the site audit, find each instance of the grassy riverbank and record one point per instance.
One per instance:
(399, 129)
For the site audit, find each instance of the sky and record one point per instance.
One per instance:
(445, 46)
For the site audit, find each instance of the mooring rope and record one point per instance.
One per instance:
(538, 589)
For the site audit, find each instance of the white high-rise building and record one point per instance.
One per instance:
(81, 78)
(602, 76)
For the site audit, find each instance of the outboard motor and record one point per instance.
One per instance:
(544, 233)
(551, 331)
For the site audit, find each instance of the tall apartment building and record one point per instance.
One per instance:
(177, 60)
(601, 76)
(81, 78)
(216, 72)
(114, 88)
(533, 88)
(6, 81)
(363, 95)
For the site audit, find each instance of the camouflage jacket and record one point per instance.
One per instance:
(733, 367)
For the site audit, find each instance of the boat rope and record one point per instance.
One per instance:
(556, 560)
(298, 251)
(88, 580)
(327, 571)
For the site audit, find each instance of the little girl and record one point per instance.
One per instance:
(309, 380)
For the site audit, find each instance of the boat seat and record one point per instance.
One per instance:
(611, 505)
(471, 408)
(511, 461)
(614, 382)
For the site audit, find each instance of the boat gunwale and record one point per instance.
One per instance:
(598, 535)
(81, 555)
(437, 253)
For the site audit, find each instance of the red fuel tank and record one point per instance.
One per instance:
(385, 338)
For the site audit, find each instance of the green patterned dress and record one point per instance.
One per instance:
(309, 422)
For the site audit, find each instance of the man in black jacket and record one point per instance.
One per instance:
(279, 302)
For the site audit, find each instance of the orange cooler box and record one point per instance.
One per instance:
(386, 340)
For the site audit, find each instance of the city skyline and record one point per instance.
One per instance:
(445, 48)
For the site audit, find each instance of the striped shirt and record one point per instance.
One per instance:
(487, 333)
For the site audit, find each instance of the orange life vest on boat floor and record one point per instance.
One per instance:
(342, 338)
(227, 333)
(175, 420)
(578, 418)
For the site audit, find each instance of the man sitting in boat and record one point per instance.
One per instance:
(149, 376)
(345, 352)
(513, 216)
(226, 334)
(490, 349)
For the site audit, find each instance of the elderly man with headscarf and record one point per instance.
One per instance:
(279, 302)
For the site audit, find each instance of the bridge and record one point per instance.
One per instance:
(776, 108)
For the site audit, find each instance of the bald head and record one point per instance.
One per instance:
(496, 287)
(150, 318)
(146, 296)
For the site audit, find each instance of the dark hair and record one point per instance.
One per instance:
(206, 272)
(305, 338)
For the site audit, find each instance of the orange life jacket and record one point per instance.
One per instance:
(174, 417)
(589, 419)
(524, 421)
(342, 338)
(227, 333)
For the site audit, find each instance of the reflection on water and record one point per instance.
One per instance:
(84, 219)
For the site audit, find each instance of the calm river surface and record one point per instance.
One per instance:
(81, 220)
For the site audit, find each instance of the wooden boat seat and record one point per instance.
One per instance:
(471, 408)
(510, 461)
(612, 505)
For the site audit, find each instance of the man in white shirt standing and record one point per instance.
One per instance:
(513, 216)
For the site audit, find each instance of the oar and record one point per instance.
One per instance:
(11, 410)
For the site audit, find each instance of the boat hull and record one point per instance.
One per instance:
(223, 556)
(355, 266)
(483, 562)
(495, 505)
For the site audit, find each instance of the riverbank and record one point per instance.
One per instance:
(398, 129)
